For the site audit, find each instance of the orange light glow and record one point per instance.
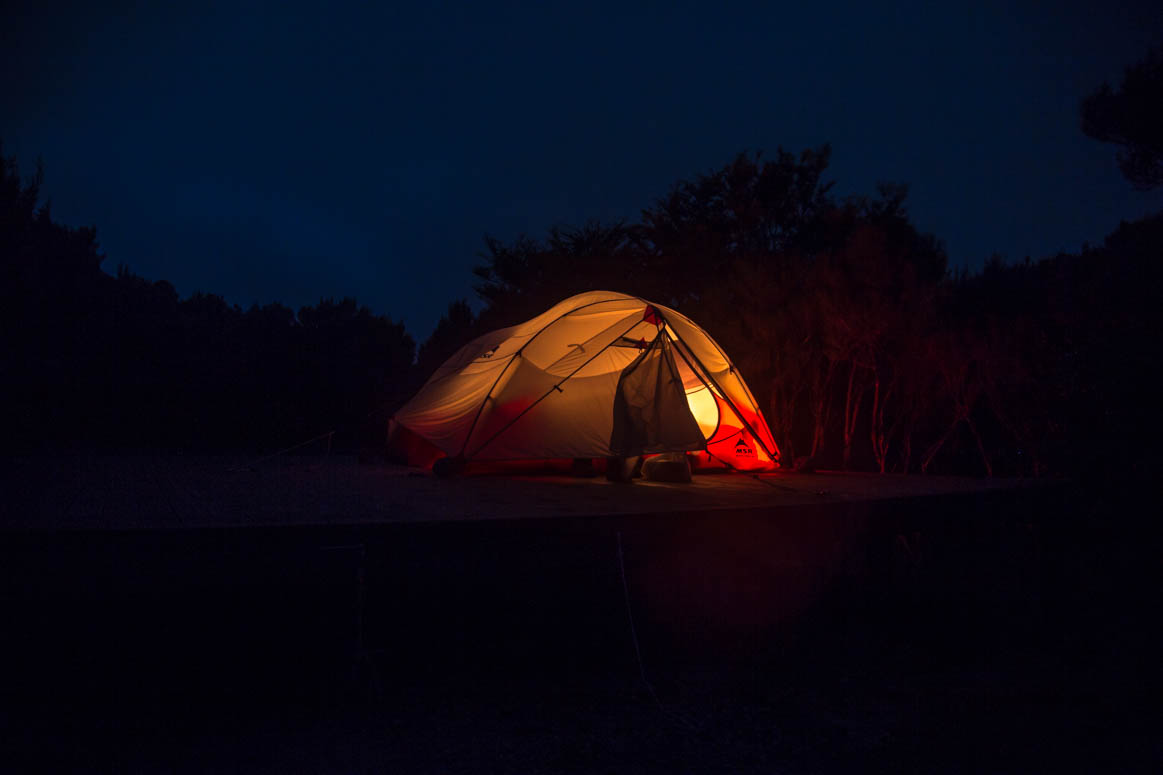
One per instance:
(705, 410)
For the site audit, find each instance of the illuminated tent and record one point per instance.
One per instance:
(600, 374)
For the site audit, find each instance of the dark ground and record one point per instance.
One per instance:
(84, 492)
(980, 630)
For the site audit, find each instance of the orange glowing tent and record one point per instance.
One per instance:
(600, 374)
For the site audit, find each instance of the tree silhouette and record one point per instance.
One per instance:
(858, 343)
(456, 327)
(1132, 118)
(521, 279)
(750, 209)
(813, 298)
(119, 361)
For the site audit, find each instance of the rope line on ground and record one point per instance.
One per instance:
(630, 616)
(728, 750)
(329, 435)
(264, 458)
(675, 717)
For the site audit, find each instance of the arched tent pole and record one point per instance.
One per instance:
(707, 385)
(727, 358)
(485, 400)
(516, 355)
(723, 393)
(556, 386)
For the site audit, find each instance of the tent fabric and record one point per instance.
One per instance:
(553, 386)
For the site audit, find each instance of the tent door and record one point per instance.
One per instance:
(651, 413)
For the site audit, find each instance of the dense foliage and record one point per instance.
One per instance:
(864, 350)
(1132, 118)
(117, 361)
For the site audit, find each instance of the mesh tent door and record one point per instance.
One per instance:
(651, 413)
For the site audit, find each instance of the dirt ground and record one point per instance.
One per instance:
(207, 616)
(125, 491)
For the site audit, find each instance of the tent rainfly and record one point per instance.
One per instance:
(600, 374)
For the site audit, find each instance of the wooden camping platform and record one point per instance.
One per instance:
(133, 492)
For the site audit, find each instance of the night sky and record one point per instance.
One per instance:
(291, 151)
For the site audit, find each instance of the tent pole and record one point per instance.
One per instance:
(481, 408)
(516, 355)
(727, 358)
(556, 386)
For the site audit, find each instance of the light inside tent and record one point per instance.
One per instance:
(705, 410)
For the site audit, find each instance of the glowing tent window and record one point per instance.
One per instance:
(705, 410)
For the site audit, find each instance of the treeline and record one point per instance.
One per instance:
(119, 362)
(863, 349)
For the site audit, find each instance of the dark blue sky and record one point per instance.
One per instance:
(290, 151)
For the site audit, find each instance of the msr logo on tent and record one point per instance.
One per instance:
(743, 448)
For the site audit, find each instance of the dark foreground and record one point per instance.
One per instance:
(1011, 630)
